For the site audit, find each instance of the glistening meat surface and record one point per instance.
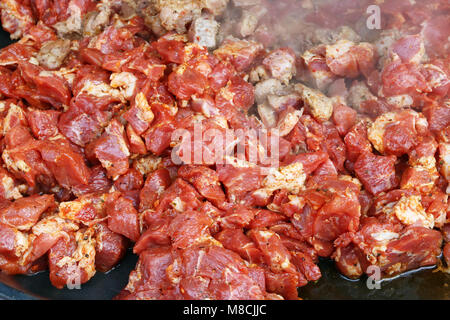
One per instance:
(94, 96)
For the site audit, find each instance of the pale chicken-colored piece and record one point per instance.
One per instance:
(268, 115)
(250, 20)
(359, 93)
(176, 14)
(203, 31)
(216, 7)
(22, 244)
(53, 53)
(287, 123)
(73, 26)
(97, 20)
(438, 77)
(281, 64)
(248, 24)
(320, 105)
(258, 74)
(268, 87)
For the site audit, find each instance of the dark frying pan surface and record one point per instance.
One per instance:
(423, 284)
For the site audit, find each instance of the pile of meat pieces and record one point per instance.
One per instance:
(88, 110)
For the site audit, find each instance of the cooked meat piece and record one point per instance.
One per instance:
(320, 105)
(203, 31)
(53, 53)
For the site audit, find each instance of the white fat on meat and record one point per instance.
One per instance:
(438, 77)
(12, 19)
(54, 226)
(148, 164)
(100, 89)
(145, 111)
(71, 210)
(14, 112)
(291, 178)
(375, 132)
(84, 255)
(400, 101)
(11, 191)
(409, 211)
(124, 81)
(444, 158)
(17, 166)
(385, 235)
